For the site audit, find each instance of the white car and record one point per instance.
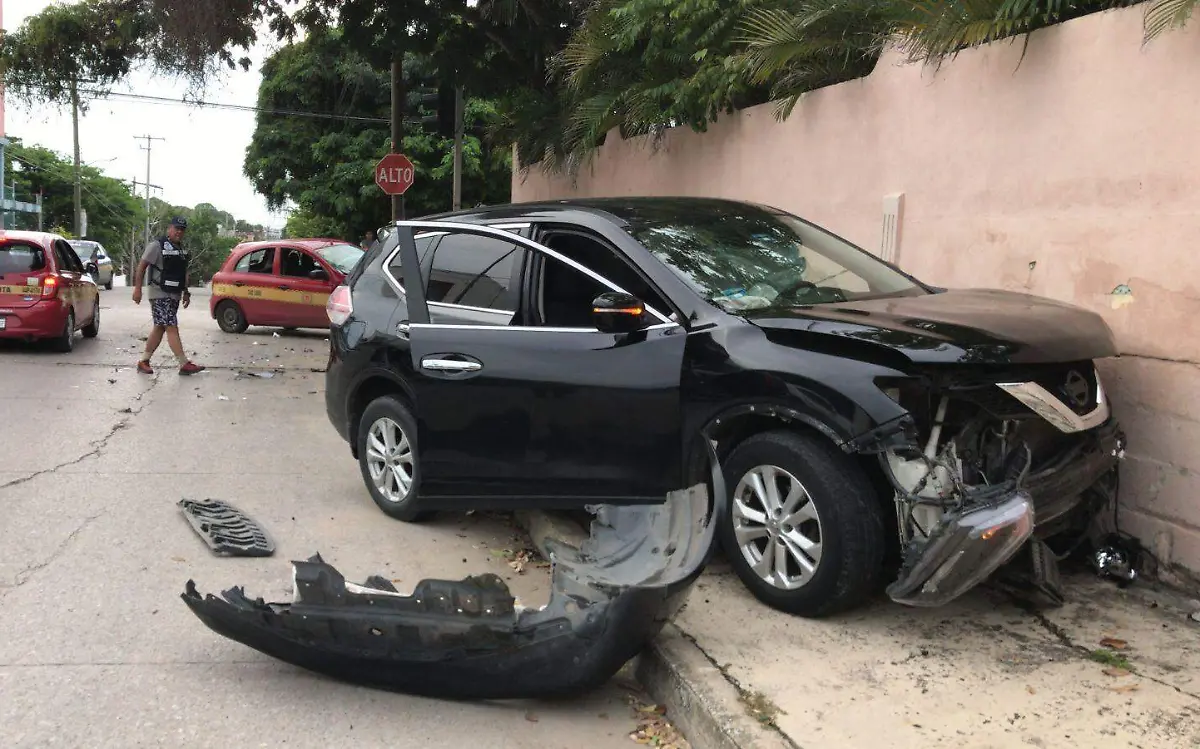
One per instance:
(90, 251)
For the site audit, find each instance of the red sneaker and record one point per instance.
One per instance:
(144, 367)
(190, 369)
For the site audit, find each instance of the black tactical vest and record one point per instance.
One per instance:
(172, 274)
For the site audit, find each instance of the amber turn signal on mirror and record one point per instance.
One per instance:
(618, 312)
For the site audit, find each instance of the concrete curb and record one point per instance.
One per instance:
(700, 700)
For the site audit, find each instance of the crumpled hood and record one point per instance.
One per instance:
(980, 326)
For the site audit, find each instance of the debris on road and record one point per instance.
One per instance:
(470, 638)
(227, 530)
(653, 728)
(242, 374)
(1113, 643)
(222, 398)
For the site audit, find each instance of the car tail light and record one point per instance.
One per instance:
(49, 287)
(339, 307)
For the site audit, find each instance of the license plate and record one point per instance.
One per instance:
(3, 322)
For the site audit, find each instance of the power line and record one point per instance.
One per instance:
(239, 107)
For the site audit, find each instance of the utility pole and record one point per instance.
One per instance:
(134, 255)
(398, 121)
(78, 173)
(459, 106)
(147, 148)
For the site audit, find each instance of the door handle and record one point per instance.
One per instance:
(402, 329)
(239, 283)
(436, 364)
(284, 288)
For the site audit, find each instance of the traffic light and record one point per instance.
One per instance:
(440, 101)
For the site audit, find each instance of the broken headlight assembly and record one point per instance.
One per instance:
(984, 466)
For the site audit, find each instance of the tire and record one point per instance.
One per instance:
(842, 513)
(231, 318)
(92, 329)
(384, 413)
(108, 286)
(65, 342)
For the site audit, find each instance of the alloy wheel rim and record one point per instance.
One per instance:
(777, 527)
(390, 459)
(231, 317)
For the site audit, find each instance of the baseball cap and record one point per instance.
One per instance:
(179, 221)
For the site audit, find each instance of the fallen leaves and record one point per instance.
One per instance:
(520, 559)
(1116, 672)
(653, 728)
(1113, 643)
(1125, 688)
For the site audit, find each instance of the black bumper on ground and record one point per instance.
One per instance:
(467, 639)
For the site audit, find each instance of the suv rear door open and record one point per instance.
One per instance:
(513, 407)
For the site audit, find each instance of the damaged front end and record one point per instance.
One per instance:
(987, 465)
(469, 639)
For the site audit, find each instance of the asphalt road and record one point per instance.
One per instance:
(97, 649)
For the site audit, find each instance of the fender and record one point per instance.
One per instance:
(375, 371)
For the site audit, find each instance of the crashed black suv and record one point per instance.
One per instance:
(871, 429)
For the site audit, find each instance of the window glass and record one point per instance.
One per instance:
(297, 263)
(259, 261)
(564, 296)
(744, 257)
(473, 270)
(21, 258)
(342, 256)
(423, 244)
(67, 258)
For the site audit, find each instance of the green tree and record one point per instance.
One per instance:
(112, 209)
(325, 165)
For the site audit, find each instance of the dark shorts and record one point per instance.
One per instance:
(165, 311)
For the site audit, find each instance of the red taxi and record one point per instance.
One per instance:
(46, 292)
(282, 283)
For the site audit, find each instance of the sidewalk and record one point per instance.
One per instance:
(1112, 668)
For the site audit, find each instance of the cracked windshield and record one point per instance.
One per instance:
(753, 259)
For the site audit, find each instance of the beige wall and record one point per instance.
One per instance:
(1069, 176)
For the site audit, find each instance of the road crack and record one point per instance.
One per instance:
(748, 697)
(97, 446)
(24, 576)
(1082, 651)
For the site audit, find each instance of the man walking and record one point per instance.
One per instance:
(167, 262)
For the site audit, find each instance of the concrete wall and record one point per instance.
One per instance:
(1075, 175)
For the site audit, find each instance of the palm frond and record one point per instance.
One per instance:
(1164, 15)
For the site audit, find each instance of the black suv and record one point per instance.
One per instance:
(582, 352)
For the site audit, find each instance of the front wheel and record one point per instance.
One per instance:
(387, 456)
(108, 286)
(805, 530)
(231, 318)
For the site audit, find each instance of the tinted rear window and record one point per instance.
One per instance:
(21, 258)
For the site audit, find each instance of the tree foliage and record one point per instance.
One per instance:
(326, 165)
(112, 210)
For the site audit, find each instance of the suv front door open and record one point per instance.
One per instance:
(553, 416)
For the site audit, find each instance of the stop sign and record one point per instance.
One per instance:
(394, 174)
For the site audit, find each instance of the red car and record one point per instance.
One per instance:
(283, 283)
(46, 292)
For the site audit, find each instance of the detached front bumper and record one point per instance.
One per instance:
(469, 639)
(967, 548)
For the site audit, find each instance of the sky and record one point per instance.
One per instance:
(199, 162)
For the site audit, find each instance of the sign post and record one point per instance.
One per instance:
(394, 174)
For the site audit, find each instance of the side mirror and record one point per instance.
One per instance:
(614, 312)
(91, 268)
(318, 274)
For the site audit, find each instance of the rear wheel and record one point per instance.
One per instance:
(108, 286)
(92, 329)
(387, 456)
(230, 317)
(65, 342)
(804, 531)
